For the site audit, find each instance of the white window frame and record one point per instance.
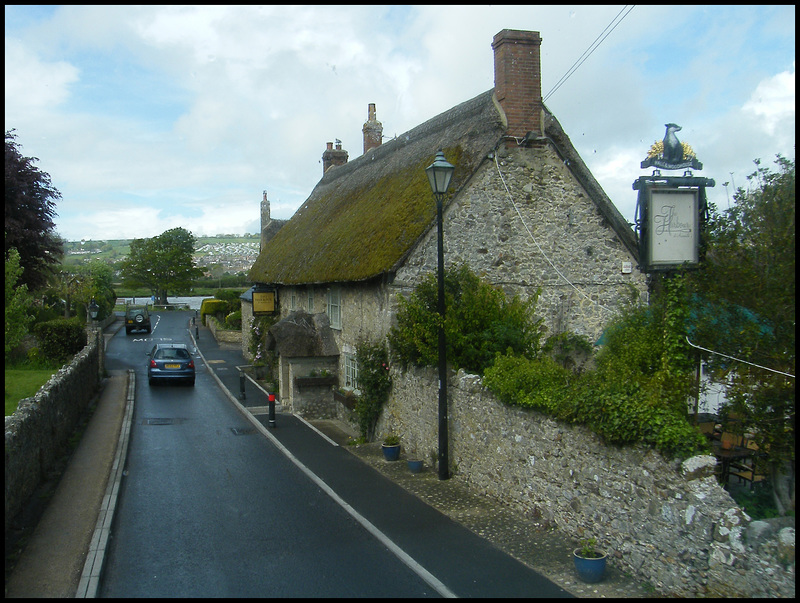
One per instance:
(334, 308)
(350, 371)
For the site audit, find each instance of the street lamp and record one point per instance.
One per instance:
(93, 309)
(439, 174)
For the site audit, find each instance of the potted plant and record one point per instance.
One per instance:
(590, 562)
(391, 447)
(414, 465)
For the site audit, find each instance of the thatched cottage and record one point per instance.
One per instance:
(524, 213)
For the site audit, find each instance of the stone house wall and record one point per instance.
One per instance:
(670, 523)
(559, 221)
(484, 229)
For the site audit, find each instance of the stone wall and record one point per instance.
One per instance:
(669, 523)
(223, 335)
(310, 397)
(38, 432)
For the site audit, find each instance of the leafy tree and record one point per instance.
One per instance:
(479, 323)
(162, 263)
(749, 279)
(30, 209)
(18, 303)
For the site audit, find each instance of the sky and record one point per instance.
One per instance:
(148, 118)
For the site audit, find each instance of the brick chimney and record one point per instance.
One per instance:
(333, 157)
(518, 80)
(373, 130)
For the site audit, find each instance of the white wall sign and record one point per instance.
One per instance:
(673, 227)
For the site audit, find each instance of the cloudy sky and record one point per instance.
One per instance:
(152, 117)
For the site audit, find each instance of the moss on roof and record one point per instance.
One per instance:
(363, 218)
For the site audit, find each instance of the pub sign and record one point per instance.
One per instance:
(671, 210)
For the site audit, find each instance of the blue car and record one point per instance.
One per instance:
(170, 361)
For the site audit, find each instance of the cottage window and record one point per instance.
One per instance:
(310, 300)
(335, 308)
(293, 301)
(350, 371)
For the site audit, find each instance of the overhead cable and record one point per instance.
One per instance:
(766, 368)
(541, 251)
(589, 51)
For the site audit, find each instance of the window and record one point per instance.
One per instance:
(293, 301)
(335, 308)
(310, 300)
(350, 371)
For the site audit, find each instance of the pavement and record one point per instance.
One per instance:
(64, 556)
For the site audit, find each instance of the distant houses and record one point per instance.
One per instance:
(525, 213)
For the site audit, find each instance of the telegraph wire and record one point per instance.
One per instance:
(592, 47)
(535, 242)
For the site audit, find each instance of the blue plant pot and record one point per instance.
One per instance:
(391, 453)
(414, 466)
(590, 569)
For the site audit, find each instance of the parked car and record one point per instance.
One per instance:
(170, 361)
(137, 318)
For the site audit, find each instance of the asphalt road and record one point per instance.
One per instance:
(210, 508)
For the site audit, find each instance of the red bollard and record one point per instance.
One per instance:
(271, 415)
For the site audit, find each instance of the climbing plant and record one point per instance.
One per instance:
(374, 385)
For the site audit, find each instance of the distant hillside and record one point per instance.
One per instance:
(231, 252)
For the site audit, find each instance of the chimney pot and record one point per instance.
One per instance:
(333, 157)
(373, 129)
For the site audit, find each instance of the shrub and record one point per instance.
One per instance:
(212, 307)
(61, 338)
(234, 320)
(480, 322)
(617, 410)
(540, 384)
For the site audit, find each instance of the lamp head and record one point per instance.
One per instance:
(439, 174)
(93, 309)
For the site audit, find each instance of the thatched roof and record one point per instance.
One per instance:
(363, 218)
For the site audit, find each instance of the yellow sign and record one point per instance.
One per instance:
(263, 302)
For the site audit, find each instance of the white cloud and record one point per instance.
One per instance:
(774, 101)
(235, 100)
(33, 85)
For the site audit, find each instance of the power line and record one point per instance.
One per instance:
(589, 51)
(541, 251)
(766, 368)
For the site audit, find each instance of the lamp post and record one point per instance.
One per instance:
(98, 336)
(93, 310)
(439, 174)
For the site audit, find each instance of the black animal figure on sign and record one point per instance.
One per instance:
(673, 149)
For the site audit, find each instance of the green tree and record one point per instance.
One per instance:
(30, 209)
(18, 303)
(163, 263)
(748, 278)
(480, 322)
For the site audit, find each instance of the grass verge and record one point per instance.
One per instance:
(23, 383)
